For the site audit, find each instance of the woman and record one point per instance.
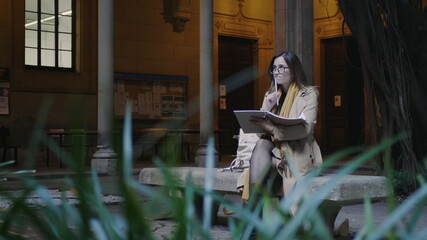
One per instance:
(291, 151)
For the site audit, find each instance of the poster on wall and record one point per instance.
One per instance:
(167, 106)
(179, 110)
(153, 96)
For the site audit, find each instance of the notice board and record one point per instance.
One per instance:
(152, 96)
(4, 91)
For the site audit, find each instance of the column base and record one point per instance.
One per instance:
(202, 155)
(104, 160)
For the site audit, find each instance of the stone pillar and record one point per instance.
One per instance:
(294, 31)
(105, 158)
(206, 81)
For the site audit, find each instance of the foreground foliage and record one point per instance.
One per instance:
(90, 218)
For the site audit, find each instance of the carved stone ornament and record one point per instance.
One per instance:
(177, 13)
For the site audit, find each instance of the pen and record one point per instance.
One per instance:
(275, 88)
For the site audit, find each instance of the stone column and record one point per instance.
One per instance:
(105, 158)
(294, 31)
(206, 80)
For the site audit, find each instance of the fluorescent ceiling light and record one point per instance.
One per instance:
(66, 13)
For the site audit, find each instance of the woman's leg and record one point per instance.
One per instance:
(260, 168)
(260, 162)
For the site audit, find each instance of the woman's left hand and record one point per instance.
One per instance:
(264, 122)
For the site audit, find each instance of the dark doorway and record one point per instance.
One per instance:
(235, 60)
(343, 95)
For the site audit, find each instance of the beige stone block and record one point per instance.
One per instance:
(192, 37)
(119, 50)
(149, 66)
(195, 6)
(174, 68)
(172, 37)
(161, 51)
(325, 9)
(194, 74)
(135, 49)
(119, 12)
(193, 23)
(134, 13)
(126, 64)
(259, 9)
(144, 50)
(157, 4)
(186, 53)
(126, 31)
(153, 16)
(149, 33)
(167, 27)
(226, 7)
(60, 106)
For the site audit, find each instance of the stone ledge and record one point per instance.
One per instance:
(351, 189)
(224, 181)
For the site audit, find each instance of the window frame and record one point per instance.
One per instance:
(56, 33)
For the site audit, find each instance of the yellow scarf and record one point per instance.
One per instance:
(284, 112)
(289, 100)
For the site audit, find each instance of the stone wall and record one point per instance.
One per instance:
(146, 42)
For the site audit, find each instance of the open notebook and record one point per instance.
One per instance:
(244, 117)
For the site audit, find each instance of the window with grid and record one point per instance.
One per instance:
(49, 34)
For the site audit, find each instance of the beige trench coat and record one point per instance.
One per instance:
(297, 142)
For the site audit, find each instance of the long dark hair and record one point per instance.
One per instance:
(295, 66)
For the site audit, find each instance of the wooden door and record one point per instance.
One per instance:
(235, 60)
(343, 93)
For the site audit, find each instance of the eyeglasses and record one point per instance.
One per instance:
(280, 69)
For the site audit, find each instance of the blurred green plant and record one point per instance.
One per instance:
(90, 218)
(5, 174)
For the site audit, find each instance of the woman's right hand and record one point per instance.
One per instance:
(270, 100)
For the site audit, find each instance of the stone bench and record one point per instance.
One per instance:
(350, 190)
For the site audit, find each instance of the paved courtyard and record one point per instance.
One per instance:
(164, 228)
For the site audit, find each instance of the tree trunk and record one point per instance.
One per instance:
(392, 71)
